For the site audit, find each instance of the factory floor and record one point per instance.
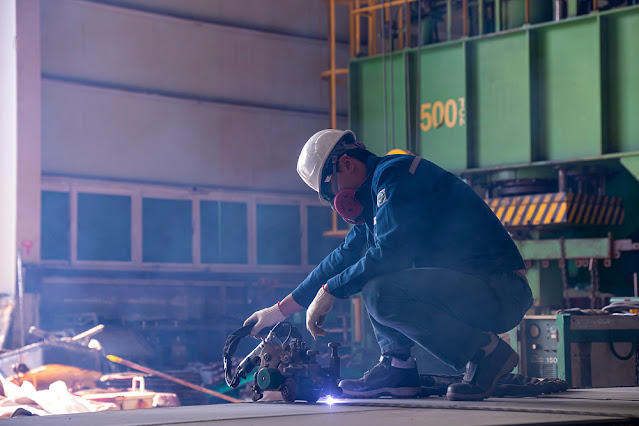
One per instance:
(578, 406)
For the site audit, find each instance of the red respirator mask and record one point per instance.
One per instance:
(347, 206)
(345, 203)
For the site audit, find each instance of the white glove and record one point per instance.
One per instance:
(317, 311)
(265, 318)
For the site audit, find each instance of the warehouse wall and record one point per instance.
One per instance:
(167, 95)
(8, 147)
(305, 18)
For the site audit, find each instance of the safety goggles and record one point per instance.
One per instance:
(332, 180)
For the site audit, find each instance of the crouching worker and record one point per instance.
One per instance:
(433, 263)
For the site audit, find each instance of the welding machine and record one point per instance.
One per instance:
(284, 364)
(535, 339)
(584, 350)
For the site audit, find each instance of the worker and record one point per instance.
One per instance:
(433, 263)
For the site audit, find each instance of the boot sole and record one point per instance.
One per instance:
(406, 392)
(510, 363)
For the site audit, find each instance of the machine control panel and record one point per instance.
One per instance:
(539, 345)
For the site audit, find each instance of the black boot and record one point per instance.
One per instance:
(482, 373)
(390, 376)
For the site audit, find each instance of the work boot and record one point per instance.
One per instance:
(483, 371)
(391, 376)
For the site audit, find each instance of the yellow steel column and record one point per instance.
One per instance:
(465, 16)
(387, 16)
(480, 14)
(331, 54)
(372, 31)
(449, 18)
(351, 26)
(400, 27)
(358, 37)
(357, 318)
(407, 12)
(333, 82)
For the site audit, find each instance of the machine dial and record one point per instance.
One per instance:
(534, 331)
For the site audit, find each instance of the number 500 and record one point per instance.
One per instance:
(437, 113)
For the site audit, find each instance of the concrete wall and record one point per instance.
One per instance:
(29, 128)
(130, 92)
(306, 18)
(90, 131)
(8, 146)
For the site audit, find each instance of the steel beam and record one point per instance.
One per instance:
(184, 96)
(575, 248)
(631, 164)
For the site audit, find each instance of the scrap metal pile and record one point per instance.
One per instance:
(62, 375)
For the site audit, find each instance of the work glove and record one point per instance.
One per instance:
(317, 311)
(267, 317)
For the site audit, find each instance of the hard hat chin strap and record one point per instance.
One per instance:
(347, 206)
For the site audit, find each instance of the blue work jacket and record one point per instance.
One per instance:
(417, 215)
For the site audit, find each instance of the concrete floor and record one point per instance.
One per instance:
(579, 406)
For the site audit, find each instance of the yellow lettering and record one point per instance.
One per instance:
(435, 114)
(451, 113)
(462, 111)
(438, 106)
(425, 115)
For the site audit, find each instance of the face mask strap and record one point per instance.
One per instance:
(334, 176)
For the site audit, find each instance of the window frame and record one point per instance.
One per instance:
(138, 191)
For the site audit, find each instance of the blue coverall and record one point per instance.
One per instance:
(434, 264)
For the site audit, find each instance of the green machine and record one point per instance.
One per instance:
(584, 350)
(536, 342)
(541, 121)
(598, 350)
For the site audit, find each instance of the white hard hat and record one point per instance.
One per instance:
(316, 152)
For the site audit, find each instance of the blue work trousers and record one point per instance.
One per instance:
(446, 312)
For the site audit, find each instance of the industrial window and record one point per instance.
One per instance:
(166, 230)
(223, 235)
(320, 220)
(278, 235)
(55, 225)
(104, 227)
